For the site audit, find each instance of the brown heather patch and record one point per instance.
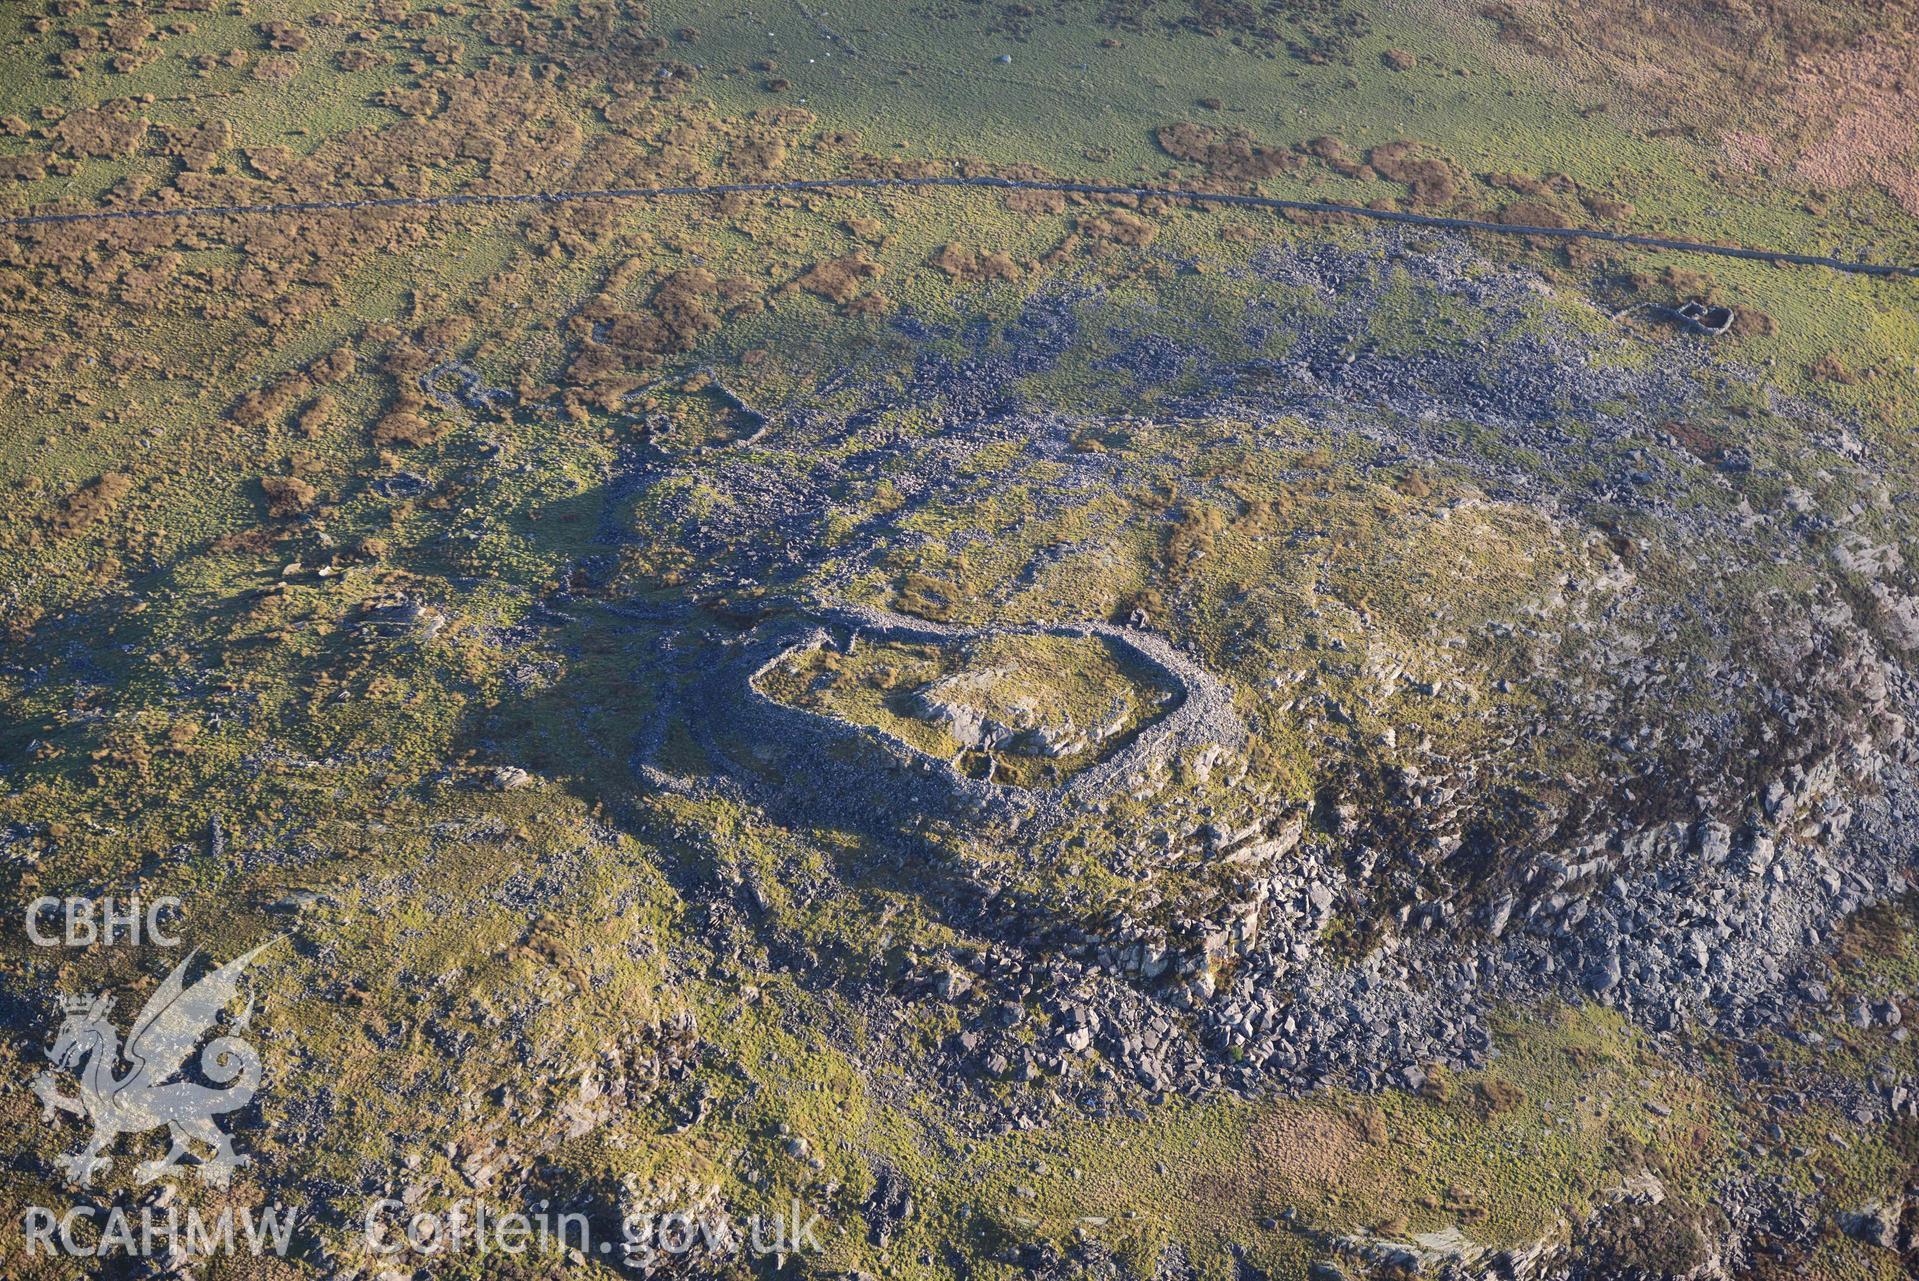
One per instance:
(89, 503)
(1495, 1095)
(1700, 60)
(1601, 205)
(964, 263)
(1745, 152)
(101, 133)
(319, 413)
(253, 541)
(1306, 1149)
(1119, 227)
(276, 68)
(1036, 202)
(284, 36)
(1874, 933)
(1435, 180)
(841, 279)
(287, 495)
(1225, 154)
(1833, 369)
(1870, 96)
(1697, 440)
(1825, 87)
(23, 168)
(758, 157)
(360, 59)
(406, 428)
(1534, 213)
(1337, 156)
(614, 341)
(336, 366)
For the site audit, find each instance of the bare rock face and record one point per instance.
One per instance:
(960, 702)
(987, 711)
(1876, 1224)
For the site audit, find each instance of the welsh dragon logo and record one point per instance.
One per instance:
(171, 1023)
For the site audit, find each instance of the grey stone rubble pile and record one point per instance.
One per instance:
(1677, 926)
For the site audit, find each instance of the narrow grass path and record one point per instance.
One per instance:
(481, 200)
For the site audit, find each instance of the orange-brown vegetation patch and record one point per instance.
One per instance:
(1534, 213)
(406, 428)
(964, 263)
(284, 36)
(681, 305)
(276, 68)
(1555, 194)
(197, 146)
(841, 279)
(1870, 95)
(246, 280)
(1607, 208)
(101, 133)
(1823, 85)
(615, 340)
(90, 503)
(1307, 1149)
(1337, 156)
(1745, 152)
(1434, 180)
(1833, 368)
(318, 415)
(360, 59)
(1698, 440)
(1699, 58)
(1119, 227)
(335, 366)
(267, 404)
(288, 495)
(758, 157)
(1225, 154)
(1036, 202)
